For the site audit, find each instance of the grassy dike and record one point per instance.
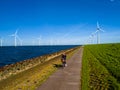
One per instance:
(31, 78)
(101, 67)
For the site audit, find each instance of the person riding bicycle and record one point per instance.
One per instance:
(63, 59)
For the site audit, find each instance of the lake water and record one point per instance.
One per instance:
(11, 54)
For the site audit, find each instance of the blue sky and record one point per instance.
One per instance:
(59, 21)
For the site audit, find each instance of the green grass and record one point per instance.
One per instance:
(85, 71)
(32, 78)
(101, 67)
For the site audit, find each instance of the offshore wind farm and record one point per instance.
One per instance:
(57, 41)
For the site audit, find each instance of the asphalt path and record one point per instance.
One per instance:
(68, 78)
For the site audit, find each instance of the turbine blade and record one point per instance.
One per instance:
(102, 30)
(98, 25)
(18, 38)
(96, 31)
(16, 31)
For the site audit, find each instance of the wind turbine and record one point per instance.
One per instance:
(90, 39)
(16, 37)
(92, 36)
(39, 39)
(1, 42)
(98, 33)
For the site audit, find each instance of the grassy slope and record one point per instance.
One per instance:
(85, 71)
(32, 78)
(101, 67)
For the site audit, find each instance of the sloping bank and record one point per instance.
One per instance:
(101, 67)
(28, 74)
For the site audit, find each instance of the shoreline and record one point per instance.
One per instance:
(21, 66)
(11, 55)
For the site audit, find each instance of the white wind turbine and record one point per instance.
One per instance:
(92, 37)
(16, 37)
(1, 42)
(39, 39)
(90, 40)
(98, 33)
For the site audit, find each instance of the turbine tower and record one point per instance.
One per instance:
(39, 39)
(15, 36)
(98, 33)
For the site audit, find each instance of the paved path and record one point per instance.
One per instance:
(68, 78)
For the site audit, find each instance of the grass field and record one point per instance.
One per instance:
(101, 67)
(32, 78)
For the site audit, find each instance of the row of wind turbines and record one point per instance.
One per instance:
(90, 39)
(92, 36)
(17, 38)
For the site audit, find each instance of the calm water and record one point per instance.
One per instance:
(11, 54)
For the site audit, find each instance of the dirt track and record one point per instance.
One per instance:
(68, 78)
